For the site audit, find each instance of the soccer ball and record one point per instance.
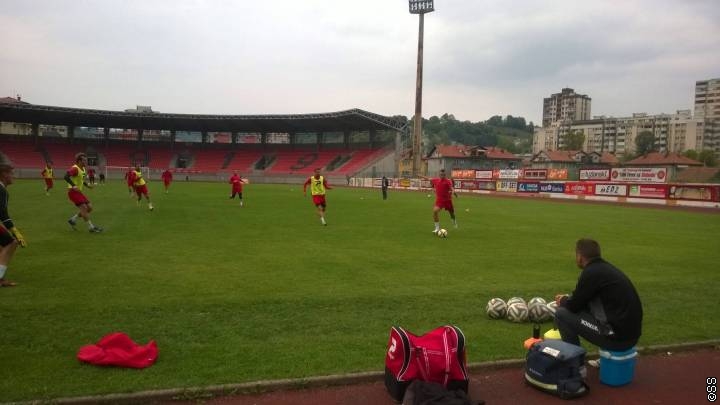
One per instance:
(538, 312)
(517, 312)
(496, 308)
(538, 300)
(515, 300)
(442, 233)
(552, 307)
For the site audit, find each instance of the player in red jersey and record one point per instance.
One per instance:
(318, 184)
(130, 180)
(167, 179)
(444, 192)
(75, 178)
(237, 186)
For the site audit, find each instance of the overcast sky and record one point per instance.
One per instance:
(482, 58)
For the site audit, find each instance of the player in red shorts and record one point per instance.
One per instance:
(10, 236)
(140, 187)
(444, 192)
(167, 179)
(75, 178)
(130, 180)
(237, 186)
(318, 185)
(47, 175)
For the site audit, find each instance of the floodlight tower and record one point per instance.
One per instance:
(419, 7)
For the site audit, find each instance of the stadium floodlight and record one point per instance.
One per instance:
(419, 7)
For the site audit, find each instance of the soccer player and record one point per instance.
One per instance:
(167, 179)
(141, 187)
(10, 236)
(75, 178)
(237, 185)
(444, 192)
(91, 175)
(47, 175)
(129, 180)
(318, 185)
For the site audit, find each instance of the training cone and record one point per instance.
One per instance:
(552, 334)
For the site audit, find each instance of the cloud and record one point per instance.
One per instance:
(481, 57)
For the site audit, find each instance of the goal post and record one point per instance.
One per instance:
(118, 172)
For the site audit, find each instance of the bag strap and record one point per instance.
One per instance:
(447, 357)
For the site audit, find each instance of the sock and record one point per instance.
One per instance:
(437, 226)
(150, 205)
(241, 203)
(90, 224)
(74, 217)
(322, 219)
(3, 268)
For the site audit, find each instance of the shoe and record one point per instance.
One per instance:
(6, 283)
(72, 224)
(594, 363)
(96, 229)
(435, 230)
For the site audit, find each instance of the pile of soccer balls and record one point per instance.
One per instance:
(517, 310)
(441, 233)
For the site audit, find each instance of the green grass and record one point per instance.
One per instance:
(262, 292)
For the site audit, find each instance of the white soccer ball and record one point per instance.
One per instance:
(496, 308)
(552, 307)
(442, 233)
(514, 300)
(538, 300)
(517, 312)
(538, 312)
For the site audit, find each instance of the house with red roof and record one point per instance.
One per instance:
(470, 157)
(674, 162)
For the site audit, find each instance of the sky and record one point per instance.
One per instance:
(481, 58)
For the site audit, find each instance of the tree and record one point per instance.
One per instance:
(707, 157)
(645, 143)
(691, 153)
(574, 140)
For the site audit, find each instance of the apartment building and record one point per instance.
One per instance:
(673, 133)
(564, 106)
(707, 108)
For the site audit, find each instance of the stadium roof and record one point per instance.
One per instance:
(348, 120)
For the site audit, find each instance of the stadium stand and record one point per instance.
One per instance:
(160, 156)
(300, 161)
(23, 154)
(62, 154)
(209, 160)
(117, 154)
(244, 160)
(360, 159)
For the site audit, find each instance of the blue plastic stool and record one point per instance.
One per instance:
(617, 368)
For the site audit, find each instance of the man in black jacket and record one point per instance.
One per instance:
(605, 308)
(10, 236)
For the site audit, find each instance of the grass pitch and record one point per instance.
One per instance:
(235, 294)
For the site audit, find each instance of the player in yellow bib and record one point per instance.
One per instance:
(140, 187)
(318, 184)
(75, 178)
(47, 175)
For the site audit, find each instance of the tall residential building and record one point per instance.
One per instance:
(565, 106)
(707, 108)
